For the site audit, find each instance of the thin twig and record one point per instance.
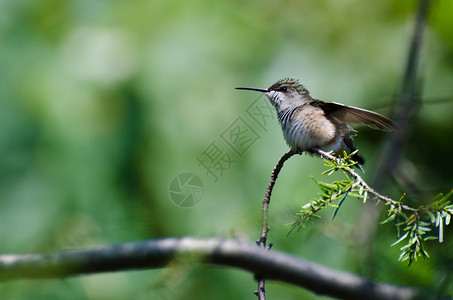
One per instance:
(267, 196)
(261, 291)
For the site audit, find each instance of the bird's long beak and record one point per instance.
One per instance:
(253, 89)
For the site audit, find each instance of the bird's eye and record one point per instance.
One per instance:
(284, 89)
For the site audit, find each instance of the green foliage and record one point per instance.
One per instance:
(414, 226)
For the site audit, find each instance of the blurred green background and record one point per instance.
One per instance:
(104, 103)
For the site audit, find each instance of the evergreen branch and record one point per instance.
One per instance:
(362, 182)
(413, 225)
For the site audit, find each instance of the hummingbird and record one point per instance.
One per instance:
(309, 123)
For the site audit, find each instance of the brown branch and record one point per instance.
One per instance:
(272, 265)
(408, 102)
(261, 291)
(405, 110)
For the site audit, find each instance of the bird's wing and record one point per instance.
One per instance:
(354, 115)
